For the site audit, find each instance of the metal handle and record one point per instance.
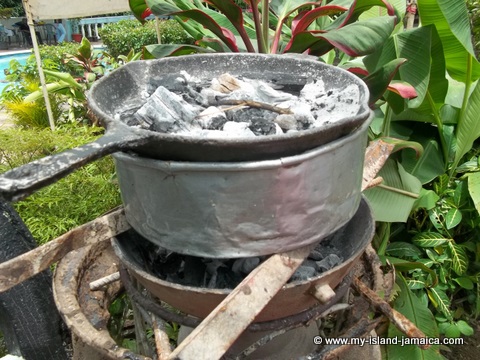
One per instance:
(22, 181)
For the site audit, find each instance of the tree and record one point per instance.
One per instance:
(15, 5)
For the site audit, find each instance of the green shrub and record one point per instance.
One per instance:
(53, 57)
(80, 197)
(119, 38)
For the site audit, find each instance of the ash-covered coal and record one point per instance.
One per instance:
(229, 106)
(223, 273)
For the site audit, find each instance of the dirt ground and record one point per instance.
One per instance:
(470, 350)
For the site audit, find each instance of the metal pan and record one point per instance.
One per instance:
(293, 298)
(129, 87)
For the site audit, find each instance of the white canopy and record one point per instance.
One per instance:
(64, 9)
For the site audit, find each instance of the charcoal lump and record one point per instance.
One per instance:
(231, 107)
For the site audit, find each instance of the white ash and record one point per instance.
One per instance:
(193, 107)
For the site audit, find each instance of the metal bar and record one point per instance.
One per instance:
(16, 270)
(214, 336)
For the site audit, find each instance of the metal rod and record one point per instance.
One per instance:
(107, 280)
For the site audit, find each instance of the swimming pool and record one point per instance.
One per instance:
(5, 62)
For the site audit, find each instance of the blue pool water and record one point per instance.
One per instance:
(4, 64)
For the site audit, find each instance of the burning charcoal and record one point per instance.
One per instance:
(305, 271)
(261, 126)
(226, 83)
(264, 92)
(237, 129)
(315, 255)
(193, 270)
(245, 265)
(211, 272)
(246, 114)
(212, 118)
(197, 97)
(329, 262)
(165, 111)
(211, 96)
(227, 279)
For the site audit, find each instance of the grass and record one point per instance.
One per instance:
(80, 197)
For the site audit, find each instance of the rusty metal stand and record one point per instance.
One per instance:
(85, 312)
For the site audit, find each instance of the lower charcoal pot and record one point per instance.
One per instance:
(293, 298)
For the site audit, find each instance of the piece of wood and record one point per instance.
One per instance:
(22, 267)
(214, 336)
(376, 155)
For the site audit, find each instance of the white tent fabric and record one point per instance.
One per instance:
(64, 9)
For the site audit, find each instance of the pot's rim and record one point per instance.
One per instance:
(286, 161)
(369, 232)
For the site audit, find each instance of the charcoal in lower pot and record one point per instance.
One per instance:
(329, 262)
(193, 271)
(307, 270)
(245, 265)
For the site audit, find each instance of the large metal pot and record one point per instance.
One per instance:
(293, 298)
(228, 210)
(129, 86)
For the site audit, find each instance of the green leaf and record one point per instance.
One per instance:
(468, 130)
(412, 307)
(427, 200)
(464, 282)
(452, 331)
(441, 301)
(415, 284)
(163, 7)
(460, 195)
(402, 265)
(139, 9)
(429, 239)
(403, 249)
(429, 165)
(379, 80)
(355, 39)
(459, 258)
(464, 328)
(452, 22)
(235, 15)
(437, 218)
(453, 218)
(424, 69)
(474, 189)
(381, 199)
(162, 50)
